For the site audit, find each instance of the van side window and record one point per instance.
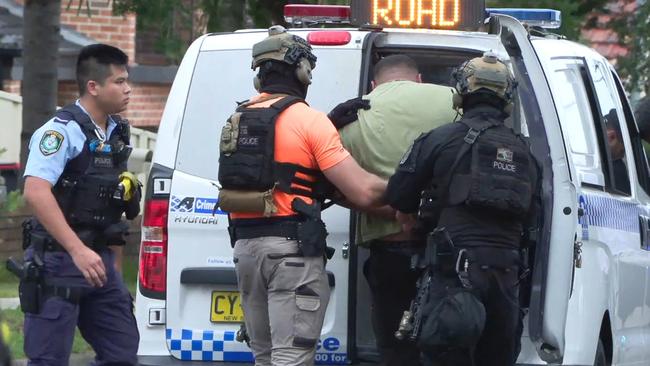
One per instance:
(577, 121)
(612, 139)
(640, 158)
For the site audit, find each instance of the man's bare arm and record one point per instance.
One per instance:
(385, 211)
(361, 188)
(38, 195)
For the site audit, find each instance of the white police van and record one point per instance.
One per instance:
(589, 300)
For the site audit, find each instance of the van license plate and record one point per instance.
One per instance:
(226, 307)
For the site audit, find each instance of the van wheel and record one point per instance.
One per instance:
(601, 358)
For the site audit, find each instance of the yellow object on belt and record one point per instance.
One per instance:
(130, 183)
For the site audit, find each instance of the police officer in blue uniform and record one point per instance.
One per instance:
(77, 188)
(480, 185)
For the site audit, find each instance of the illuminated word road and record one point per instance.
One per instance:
(417, 13)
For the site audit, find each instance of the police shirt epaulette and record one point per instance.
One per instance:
(63, 117)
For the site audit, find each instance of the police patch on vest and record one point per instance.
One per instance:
(249, 141)
(504, 155)
(103, 161)
(51, 142)
(504, 160)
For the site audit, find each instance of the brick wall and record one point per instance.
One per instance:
(147, 104)
(68, 92)
(101, 25)
(147, 100)
(11, 239)
(145, 49)
(145, 108)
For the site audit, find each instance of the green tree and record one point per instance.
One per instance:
(181, 21)
(575, 13)
(634, 33)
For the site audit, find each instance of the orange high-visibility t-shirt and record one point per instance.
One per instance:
(303, 136)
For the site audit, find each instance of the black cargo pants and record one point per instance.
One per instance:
(494, 275)
(392, 285)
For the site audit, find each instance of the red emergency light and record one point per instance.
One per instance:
(329, 38)
(301, 13)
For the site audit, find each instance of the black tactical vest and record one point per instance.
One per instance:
(499, 176)
(247, 155)
(87, 189)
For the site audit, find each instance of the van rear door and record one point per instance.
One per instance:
(553, 267)
(436, 54)
(203, 305)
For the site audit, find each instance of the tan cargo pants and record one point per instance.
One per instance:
(284, 297)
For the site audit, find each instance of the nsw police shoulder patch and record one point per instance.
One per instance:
(50, 142)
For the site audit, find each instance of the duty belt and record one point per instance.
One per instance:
(288, 230)
(48, 244)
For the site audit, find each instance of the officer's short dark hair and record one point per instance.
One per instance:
(642, 116)
(94, 63)
(393, 61)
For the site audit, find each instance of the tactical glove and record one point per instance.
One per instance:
(347, 112)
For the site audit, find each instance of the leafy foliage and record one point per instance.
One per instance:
(179, 22)
(633, 30)
(14, 202)
(575, 13)
(634, 33)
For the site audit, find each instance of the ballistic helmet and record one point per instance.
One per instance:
(486, 72)
(284, 47)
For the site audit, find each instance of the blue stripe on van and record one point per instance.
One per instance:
(609, 213)
(208, 345)
(213, 345)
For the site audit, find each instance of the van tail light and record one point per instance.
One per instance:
(153, 249)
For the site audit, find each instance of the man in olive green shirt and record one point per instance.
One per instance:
(401, 107)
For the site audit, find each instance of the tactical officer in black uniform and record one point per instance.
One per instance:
(479, 180)
(77, 185)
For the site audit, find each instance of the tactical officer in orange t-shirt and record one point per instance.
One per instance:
(278, 157)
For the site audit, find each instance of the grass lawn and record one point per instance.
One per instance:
(8, 282)
(130, 273)
(14, 317)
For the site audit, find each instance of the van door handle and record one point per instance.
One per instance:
(644, 231)
(345, 250)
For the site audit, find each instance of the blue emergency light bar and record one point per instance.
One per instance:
(545, 18)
